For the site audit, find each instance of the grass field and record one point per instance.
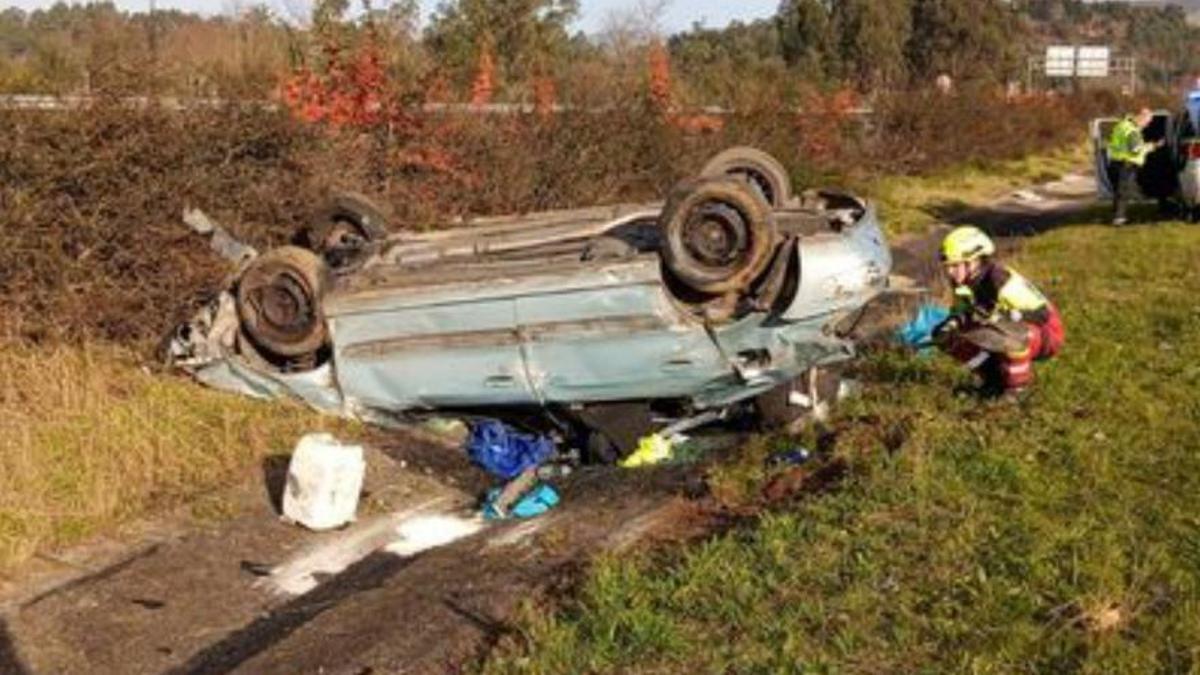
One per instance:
(1059, 536)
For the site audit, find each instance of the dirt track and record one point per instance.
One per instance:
(234, 597)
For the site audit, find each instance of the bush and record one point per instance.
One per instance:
(92, 247)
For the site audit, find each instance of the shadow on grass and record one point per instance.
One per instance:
(1007, 219)
(275, 472)
(10, 658)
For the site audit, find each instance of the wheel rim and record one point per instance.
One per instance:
(283, 308)
(716, 235)
(344, 235)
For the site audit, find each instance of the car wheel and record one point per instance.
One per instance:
(718, 235)
(279, 302)
(762, 171)
(346, 229)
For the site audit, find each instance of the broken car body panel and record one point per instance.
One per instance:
(515, 312)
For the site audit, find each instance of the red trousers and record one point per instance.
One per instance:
(1014, 367)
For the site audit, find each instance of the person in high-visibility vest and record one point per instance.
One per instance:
(1127, 152)
(1001, 323)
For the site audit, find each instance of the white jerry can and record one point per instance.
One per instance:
(323, 483)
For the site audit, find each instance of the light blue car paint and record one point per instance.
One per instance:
(557, 333)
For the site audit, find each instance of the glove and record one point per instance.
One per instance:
(947, 328)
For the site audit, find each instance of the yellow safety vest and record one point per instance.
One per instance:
(1126, 144)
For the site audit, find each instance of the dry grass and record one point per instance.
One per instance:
(88, 439)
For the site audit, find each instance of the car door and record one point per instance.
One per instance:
(1101, 129)
(440, 352)
(611, 334)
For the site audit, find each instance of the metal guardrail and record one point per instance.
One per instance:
(51, 103)
(75, 102)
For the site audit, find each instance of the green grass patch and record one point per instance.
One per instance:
(914, 203)
(1059, 536)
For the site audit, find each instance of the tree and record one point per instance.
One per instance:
(806, 37)
(529, 37)
(966, 39)
(1169, 44)
(871, 40)
(714, 65)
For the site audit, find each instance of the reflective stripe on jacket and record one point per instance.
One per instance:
(1126, 144)
(998, 292)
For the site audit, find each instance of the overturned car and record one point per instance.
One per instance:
(732, 291)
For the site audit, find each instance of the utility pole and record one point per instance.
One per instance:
(153, 33)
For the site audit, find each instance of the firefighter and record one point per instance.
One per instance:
(1127, 152)
(1001, 323)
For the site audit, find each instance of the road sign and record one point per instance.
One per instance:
(1092, 62)
(1060, 61)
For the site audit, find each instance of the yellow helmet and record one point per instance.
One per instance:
(966, 243)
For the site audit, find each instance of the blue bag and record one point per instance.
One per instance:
(504, 452)
(918, 333)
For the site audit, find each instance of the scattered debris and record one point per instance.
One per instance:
(651, 450)
(449, 427)
(554, 470)
(793, 457)
(324, 482)
(498, 500)
(504, 452)
(531, 504)
(221, 242)
(519, 459)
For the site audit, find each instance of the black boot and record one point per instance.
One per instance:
(992, 379)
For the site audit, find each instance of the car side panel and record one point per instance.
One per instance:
(614, 342)
(465, 353)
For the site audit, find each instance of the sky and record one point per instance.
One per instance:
(678, 15)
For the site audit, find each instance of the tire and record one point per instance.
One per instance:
(346, 230)
(718, 235)
(759, 169)
(279, 302)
